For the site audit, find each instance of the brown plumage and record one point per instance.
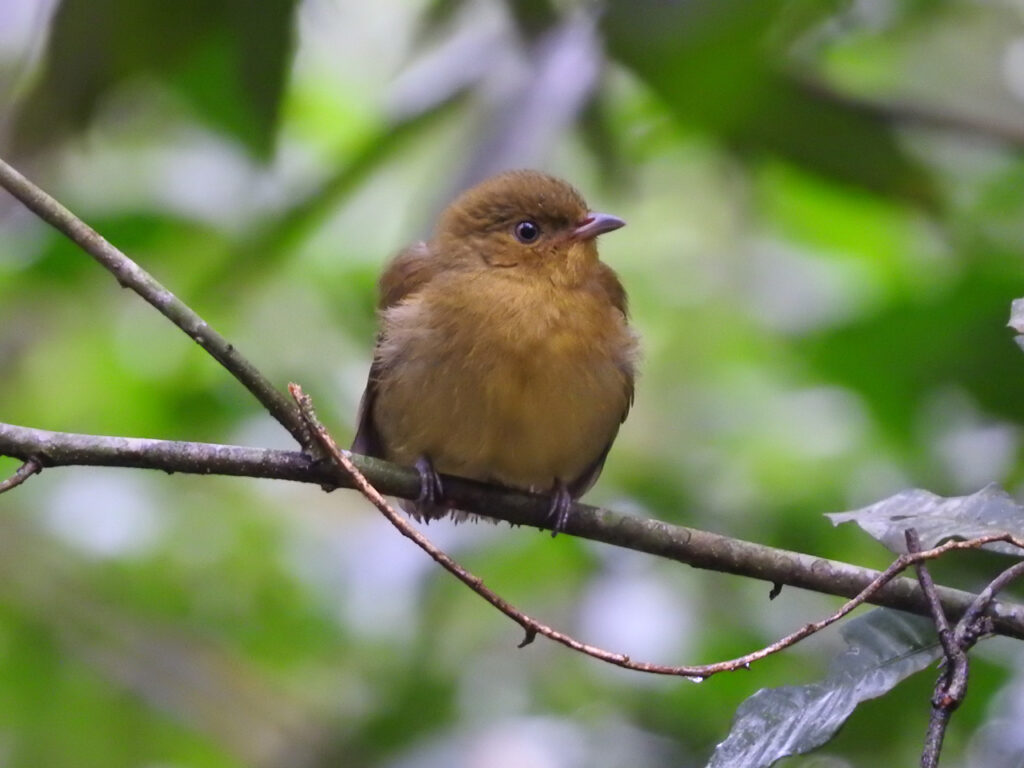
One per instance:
(504, 352)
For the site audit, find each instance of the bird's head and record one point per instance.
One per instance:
(526, 222)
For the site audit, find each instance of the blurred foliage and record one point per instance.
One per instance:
(228, 59)
(719, 52)
(825, 232)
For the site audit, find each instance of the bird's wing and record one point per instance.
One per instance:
(589, 476)
(608, 286)
(409, 271)
(367, 440)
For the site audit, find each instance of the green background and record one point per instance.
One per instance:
(826, 228)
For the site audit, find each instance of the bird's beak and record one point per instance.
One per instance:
(596, 224)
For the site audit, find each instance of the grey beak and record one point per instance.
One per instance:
(596, 224)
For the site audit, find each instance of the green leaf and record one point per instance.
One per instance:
(884, 647)
(937, 519)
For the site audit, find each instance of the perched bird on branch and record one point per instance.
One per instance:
(505, 353)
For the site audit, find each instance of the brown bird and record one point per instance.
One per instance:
(504, 352)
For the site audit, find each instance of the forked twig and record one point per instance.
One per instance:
(28, 468)
(532, 627)
(951, 687)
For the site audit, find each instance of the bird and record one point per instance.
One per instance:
(504, 352)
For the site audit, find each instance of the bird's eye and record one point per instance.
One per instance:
(527, 231)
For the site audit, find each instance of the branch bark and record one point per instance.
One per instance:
(21, 474)
(951, 687)
(690, 546)
(957, 663)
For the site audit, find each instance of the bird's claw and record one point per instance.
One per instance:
(431, 488)
(561, 505)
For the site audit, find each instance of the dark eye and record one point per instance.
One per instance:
(527, 231)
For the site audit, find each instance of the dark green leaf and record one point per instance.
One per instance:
(884, 647)
(937, 519)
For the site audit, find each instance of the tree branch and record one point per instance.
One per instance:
(924, 577)
(39, 448)
(951, 687)
(532, 627)
(956, 662)
(30, 467)
(131, 275)
(700, 549)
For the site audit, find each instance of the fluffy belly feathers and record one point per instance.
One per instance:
(523, 397)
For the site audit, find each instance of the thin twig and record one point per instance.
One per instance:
(937, 723)
(951, 687)
(131, 275)
(898, 566)
(30, 467)
(956, 662)
(983, 601)
(691, 546)
(924, 578)
(532, 627)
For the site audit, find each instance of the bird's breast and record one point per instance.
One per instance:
(518, 383)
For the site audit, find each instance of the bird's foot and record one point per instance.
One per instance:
(431, 488)
(561, 504)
